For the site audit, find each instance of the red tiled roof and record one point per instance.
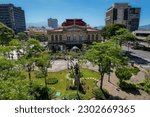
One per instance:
(74, 26)
(70, 22)
(89, 29)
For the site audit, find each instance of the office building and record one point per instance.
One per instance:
(123, 13)
(52, 23)
(13, 17)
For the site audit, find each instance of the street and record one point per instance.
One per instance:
(139, 57)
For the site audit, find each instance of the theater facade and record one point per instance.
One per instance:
(74, 32)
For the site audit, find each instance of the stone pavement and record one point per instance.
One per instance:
(58, 65)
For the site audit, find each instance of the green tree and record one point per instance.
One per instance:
(32, 48)
(110, 30)
(106, 55)
(40, 92)
(14, 89)
(16, 46)
(39, 36)
(19, 89)
(124, 35)
(43, 62)
(123, 73)
(6, 34)
(5, 67)
(22, 36)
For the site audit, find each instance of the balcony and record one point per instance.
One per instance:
(74, 42)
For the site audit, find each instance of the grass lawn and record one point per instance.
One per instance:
(89, 73)
(63, 82)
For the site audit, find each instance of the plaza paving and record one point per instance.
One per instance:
(58, 65)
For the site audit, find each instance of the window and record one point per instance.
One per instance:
(80, 38)
(68, 38)
(74, 37)
(60, 38)
(52, 38)
(56, 38)
(92, 37)
(126, 14)
(97, 37)
(89, 37)
(115, 13)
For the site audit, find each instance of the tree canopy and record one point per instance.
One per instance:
(106, 55)
(123, 73)
(125, 35)
(110, 30)
(6, 34)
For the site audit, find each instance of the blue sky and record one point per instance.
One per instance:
(91, 11)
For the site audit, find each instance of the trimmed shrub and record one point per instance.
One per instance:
(82, 89)
(52, 81)
(123, 73)
(73, 96)
(39, 75)
(145, 85)
(100, 94)
(128, 86)
(135, 70)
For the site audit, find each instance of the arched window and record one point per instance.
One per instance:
(60, 38)
(74, 37)
(89, 37)
(52, 38)
(97, 37)
(56, 38)
(92, 37)
(68, 38)
(80, 38)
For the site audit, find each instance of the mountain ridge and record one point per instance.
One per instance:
(145, 27)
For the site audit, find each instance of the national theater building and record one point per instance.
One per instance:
(74, 32)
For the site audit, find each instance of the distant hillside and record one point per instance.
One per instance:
(99, 27)
(145, 27)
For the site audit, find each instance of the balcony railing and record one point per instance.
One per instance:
(74, 41)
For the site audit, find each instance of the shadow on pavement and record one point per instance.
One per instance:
(134, 92)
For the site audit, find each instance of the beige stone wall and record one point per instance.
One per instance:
(74, 34)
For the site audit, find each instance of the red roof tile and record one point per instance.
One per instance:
(70, 22)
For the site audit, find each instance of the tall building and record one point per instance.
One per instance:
(52, 23)
(13, 17)
(123, 13)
